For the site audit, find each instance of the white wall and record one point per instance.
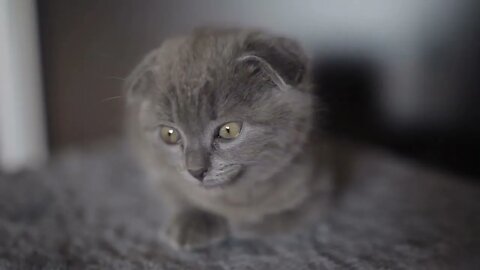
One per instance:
(22, 121)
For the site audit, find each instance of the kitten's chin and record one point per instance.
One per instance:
(231, 179)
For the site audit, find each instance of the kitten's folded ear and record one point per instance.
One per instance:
(140, 80)
(284, 57)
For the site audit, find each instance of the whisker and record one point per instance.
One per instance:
(112, 98)
(116, 78)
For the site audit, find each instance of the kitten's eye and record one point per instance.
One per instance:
(169, 135)
(230, 130)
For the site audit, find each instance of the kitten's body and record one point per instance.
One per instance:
(275, 167)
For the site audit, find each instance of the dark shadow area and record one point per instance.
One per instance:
(348, 88)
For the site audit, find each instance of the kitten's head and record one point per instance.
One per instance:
(222, 106)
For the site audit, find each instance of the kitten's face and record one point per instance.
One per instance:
(221, 119)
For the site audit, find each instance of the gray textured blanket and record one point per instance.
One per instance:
(90, 209)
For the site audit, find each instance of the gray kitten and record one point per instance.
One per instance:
(222, 121)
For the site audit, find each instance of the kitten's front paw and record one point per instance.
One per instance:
(195, 229)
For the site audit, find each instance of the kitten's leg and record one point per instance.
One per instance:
(308, 213)
(270, 225)
(191, 229)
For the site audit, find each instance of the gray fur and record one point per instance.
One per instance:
(197, 83)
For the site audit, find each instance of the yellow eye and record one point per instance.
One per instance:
(230, 130)
(169, 135)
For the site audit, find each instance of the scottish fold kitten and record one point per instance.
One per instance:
(222, 120)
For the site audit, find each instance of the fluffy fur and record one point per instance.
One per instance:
(195, 84)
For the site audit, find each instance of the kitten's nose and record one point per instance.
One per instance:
(198, 173)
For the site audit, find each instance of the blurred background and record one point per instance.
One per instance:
(401, 75)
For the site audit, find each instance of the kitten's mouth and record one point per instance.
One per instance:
(209, 183)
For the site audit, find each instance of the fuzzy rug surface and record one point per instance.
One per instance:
(91, 209)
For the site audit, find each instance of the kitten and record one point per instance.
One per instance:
(223, 122)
